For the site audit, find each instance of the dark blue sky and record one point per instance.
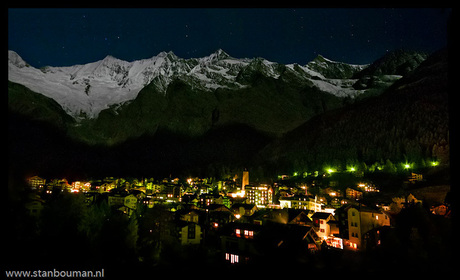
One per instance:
(61, 37)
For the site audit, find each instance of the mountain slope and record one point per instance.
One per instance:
(407, 122)
(388, 68)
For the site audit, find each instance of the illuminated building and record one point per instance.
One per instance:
(324, 224)
(245, 180)
(354, 194)
(414, 177)
(302, 202)
(359, 221)
(36, 182)
(368, 187)
(208, 199)
(261, 195)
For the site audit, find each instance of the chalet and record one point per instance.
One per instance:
(246, 243)
(324, 224)
(208, 199)
(299, 217)
(238, 242)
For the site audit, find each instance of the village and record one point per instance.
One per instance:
(244, 222)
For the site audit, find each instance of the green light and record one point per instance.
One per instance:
(406, 166)
(352, 169)
(330, 170)
(434, 163)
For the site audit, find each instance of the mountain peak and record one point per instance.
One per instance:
(109, 59)
(321, 58)
(167, 55)
(15, 59)
(221, 53)
(217, 55)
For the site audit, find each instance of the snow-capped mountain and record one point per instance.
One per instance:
(86, 90)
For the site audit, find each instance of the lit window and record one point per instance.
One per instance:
(234, 258)
(238, 232)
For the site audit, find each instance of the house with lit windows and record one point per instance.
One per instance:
(356, 221)
(208, 199)
(324, 224)
(238, 242)
(247, 243)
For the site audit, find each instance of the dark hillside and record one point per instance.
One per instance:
(408, 122)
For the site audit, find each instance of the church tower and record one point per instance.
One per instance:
(245, 180)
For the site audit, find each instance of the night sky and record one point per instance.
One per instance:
(62, 37)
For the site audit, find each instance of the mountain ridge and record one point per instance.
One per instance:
(83, 88)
